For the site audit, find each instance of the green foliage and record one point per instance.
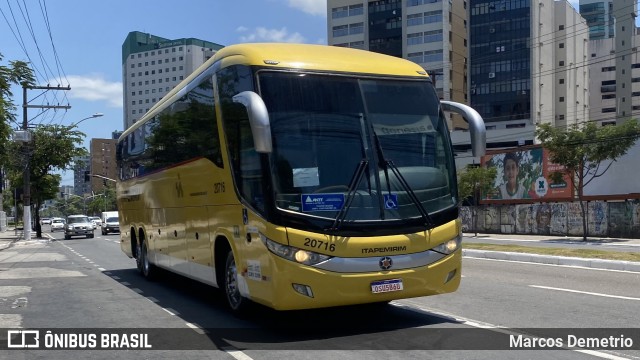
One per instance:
(587, 151)
(17, 73)
(474, 181)
(583, 149)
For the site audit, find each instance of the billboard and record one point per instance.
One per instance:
(525, 174)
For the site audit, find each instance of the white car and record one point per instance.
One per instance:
(96, 221)
(57, 224)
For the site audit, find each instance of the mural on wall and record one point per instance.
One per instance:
(597, 218)
(491, 218)
(574, 219)
(613, 219)
(508, 219)
(558, 223)
(465, 218)
(525, 174)
(525, 219)
(543, 219)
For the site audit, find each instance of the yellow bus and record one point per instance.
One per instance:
(297, 177)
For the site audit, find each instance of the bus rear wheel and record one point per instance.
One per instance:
(235, 300)
(148, 269)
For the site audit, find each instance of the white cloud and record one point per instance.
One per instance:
(95, 88)
(262, 34)
(313, 7)
(242, 29)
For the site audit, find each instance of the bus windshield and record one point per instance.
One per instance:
(373, 148)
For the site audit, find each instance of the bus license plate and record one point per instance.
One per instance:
(386, 286)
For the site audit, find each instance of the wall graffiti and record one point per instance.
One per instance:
(597, 218)
(612, 219)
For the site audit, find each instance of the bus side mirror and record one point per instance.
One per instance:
(258, 119)
(476, 125)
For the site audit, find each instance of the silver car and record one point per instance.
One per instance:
(78, 225)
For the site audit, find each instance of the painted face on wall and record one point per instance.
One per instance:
(511, 172)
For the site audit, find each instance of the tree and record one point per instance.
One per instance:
(53, 148)
(17, 73)
(587, 152)
(473, 182)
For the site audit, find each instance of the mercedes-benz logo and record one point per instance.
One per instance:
(385, 263)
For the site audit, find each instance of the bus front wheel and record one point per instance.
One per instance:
(236, 302)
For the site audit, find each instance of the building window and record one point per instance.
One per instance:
(561, 63)
(561, 27)
(561, 45)
(561, 99)
(561, 81)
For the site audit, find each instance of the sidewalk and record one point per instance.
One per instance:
(611, 244)
(9, 237)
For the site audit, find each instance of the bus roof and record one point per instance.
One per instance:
(300, 56)
(317, 57)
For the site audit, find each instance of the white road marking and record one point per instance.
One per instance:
(10, 321)
(236, 353)
(37, 272)
(413, 305)
(586, 292)
(557, 265)
(197, 328)
(170, 311)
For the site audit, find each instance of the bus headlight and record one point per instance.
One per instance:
(294, 254)
(450, 246)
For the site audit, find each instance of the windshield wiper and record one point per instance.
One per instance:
(351, 191)
(388, 164)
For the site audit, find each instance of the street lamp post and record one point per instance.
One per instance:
(88, 117)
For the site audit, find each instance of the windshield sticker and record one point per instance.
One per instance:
(391, 201)
(322, 202)
(303, 177)
(422, 126)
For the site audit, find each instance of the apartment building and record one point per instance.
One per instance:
(432, 33)
(153, 65)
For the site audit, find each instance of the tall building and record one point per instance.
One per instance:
(429, 32)
(528, 66)
(599, 17)
(103, 163)
(610, 105)
(152, 66)
(82, 167)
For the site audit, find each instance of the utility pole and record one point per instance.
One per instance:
(26, 202)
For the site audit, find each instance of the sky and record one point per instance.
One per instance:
(87, 38)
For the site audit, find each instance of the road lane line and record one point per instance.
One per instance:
(414, 306)
(236, 353)
(586, 292)
(543, 264)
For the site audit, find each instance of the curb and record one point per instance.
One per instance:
(554, 260)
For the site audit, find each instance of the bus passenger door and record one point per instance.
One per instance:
(158, 238)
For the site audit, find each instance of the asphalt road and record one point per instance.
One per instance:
(90, 283)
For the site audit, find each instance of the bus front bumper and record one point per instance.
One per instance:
(297, 286)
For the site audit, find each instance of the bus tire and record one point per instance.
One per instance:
(236, 302)
(138, 256)
(148, 269)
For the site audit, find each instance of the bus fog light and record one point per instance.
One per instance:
(303, 289)
(450, 276)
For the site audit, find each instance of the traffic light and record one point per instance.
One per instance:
(87, 176)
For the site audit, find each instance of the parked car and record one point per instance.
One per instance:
(78, 225)
(57, 224)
